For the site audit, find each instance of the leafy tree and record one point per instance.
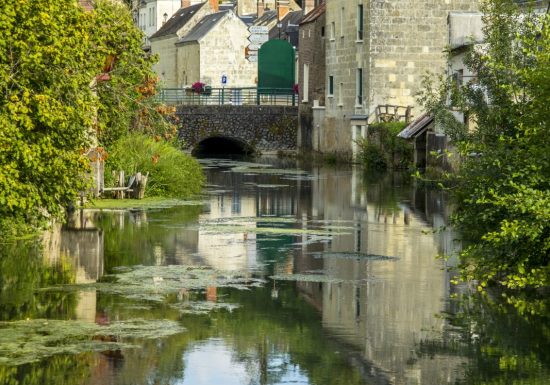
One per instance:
(46, 105)
(502, 184)
(67, 78)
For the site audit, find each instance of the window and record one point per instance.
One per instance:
(360, 22)
(342, 22)
(341, 94)
(331, 85)
(359, 87)
(332, 30)
(323, 31)
(305, 91)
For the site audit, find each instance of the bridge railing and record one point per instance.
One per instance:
(229, 96)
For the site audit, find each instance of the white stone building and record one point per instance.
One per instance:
(163, 42)
(152, 14)
(216, 47)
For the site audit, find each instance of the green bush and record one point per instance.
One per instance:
(384, 149)
(171, 172)
(372, 156)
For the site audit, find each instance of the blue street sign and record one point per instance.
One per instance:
(224, 79)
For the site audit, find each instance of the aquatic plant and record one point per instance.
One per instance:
(28, 341)
(154, 283)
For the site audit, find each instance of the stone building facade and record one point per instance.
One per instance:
(312, 78)
(215, 47)
(163, 42)
(376, 54)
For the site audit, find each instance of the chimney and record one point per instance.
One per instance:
(282, 9)
(261, 8)
(185, 3)
(308, 6)
(215, 4)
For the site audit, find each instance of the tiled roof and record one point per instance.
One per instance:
(177, 21)
(314, 14)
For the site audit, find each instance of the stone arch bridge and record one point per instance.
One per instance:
(236, 120)
(250, 128)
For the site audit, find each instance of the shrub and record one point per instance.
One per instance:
(171, 172)
(384, 149)
(372, 156)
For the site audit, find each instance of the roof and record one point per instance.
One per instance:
(416, 127)
(177, 21)
(314, 14)
(289, 28)
(204, 26)
(266, 18)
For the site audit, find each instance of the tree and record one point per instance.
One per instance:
(46, 66)
(502, 185)
(54, 105)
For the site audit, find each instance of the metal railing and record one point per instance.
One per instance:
(229, 96)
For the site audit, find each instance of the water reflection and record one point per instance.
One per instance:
(374, 318)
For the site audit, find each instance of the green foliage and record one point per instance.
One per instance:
(125, 99)
(171, 172)
(384, 149)
(46, 66)
(503, 183)
(372, 156)
(52, 99)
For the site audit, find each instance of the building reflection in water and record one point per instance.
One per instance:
(383, 311)
(390, 306)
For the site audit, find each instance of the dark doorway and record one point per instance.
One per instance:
(222, 147)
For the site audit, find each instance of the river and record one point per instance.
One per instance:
(279, 275)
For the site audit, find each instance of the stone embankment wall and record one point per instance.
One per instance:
(264, 128)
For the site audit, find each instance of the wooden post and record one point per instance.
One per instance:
(121, 183)
(139, 185)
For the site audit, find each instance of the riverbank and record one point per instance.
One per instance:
(145, 203)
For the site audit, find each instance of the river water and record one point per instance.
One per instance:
(279, 275)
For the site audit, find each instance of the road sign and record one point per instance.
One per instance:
(258, 39)
(258, 29)
(224, 79)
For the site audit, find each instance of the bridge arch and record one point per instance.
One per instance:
(218, 145)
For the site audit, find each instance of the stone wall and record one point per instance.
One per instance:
(312, 54)
(222, 52)
(264, 128)
(402, 39)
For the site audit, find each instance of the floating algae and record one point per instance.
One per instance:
(320, 278)
(230, 229)
(270, 171)
(154, 283)
(28, 341)
(352, 255)
(202, 307)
